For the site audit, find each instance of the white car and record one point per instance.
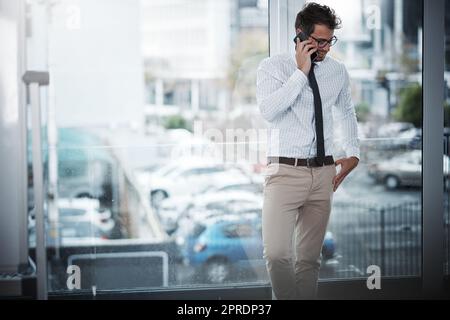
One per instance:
(85, 216)
(171, 208)
(77, 218)
(212, 204)
(190, 177)
(393, 129)
(253, 187)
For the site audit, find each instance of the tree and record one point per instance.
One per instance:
(446, 114)
(409, 108)
(362, 111)
(176, 122)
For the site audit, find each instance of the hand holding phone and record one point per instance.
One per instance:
(306, 52)
(304, 37)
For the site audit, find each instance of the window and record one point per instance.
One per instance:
(165, 99)
(376, 213)
(138, 101)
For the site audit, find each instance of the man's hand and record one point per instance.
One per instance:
(347, 165)
(303, 51)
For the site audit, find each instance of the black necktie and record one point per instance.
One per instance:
(317, 115)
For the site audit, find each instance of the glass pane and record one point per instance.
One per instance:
(376, 213)
(155, 142)
(141, 95)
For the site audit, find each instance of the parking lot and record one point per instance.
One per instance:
(209, 212)
(371, 224)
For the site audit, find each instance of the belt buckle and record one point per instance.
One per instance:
(308, 163)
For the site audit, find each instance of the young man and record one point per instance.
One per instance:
(296, 96)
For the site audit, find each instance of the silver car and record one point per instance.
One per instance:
(404, 170)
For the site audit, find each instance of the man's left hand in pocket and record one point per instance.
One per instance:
(347, 165)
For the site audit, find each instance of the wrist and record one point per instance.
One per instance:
(355, 159)
(303, 70)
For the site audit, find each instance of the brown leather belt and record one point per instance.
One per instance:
(309, 162)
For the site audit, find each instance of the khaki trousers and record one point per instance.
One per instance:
(295, 199)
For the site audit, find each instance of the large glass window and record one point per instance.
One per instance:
(141, 95)
(155, 144)
(376, 214)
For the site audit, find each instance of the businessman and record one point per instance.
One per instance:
(295, 95)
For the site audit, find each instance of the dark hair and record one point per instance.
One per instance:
(314, 13)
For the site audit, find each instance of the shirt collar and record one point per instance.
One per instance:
(318, 63)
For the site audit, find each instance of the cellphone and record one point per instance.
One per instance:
(303, 37)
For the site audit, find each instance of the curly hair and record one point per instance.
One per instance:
(314, 13)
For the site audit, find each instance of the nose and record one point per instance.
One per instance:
(327, 47)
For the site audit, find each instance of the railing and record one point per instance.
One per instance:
(388, 236)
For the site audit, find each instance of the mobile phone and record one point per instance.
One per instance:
(304, 37)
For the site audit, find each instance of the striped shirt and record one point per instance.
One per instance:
(286, 101)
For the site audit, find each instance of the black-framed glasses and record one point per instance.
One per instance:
(323, 43)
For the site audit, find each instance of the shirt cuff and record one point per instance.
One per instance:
(353, 152)
(299, 78)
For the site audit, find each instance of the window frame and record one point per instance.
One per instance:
(432, 280)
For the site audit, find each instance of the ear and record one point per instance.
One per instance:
(298, 30)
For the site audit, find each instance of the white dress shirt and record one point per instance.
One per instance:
(286, 101)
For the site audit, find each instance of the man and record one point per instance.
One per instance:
(296, 96)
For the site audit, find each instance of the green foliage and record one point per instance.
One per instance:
(409, 108)
(176, 122)
(446, 114)
(362, 111)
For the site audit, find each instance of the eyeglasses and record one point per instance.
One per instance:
(323, 43)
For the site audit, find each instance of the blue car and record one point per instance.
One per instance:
(228, 245)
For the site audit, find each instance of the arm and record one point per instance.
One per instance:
(274, 97)
(347, 119)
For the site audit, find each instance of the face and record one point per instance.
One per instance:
(321, 32)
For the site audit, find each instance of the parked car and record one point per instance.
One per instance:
(404, 170)
(84, 218)
(252, 187)
(409, 139)
(228, 245)
(77, 218)
(183, 210)
(172, 208)
(393, 129)
(414, 138)
(190, 176)
(84, 171)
